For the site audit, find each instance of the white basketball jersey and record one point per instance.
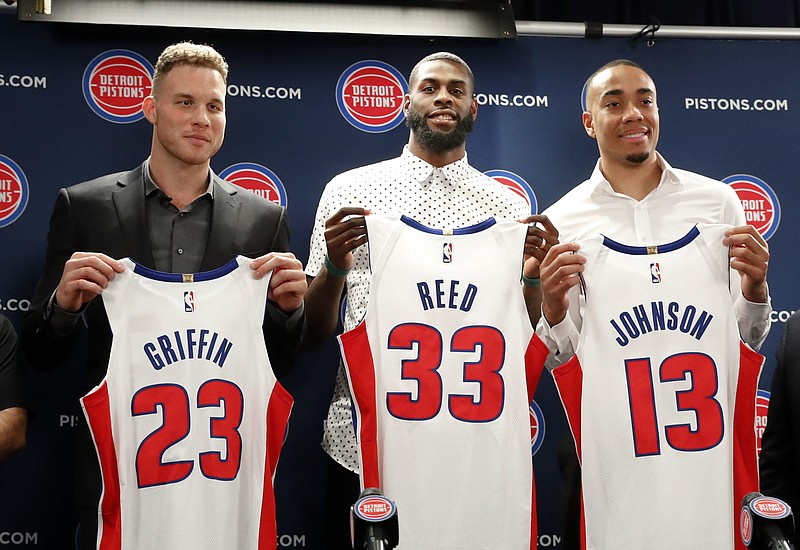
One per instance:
(189, 420)
(442, 371)
(660, 396)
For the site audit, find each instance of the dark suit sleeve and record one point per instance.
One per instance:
(41, 346)
(280, 243)
(282, 338)
(778, 461)
(12, 389)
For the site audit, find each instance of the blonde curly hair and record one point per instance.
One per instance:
(188, 53)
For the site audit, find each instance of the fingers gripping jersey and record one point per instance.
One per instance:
(189, 420)
(660, 396)
(442, 370)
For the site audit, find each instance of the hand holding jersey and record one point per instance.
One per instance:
(749, 254)
(86, 274)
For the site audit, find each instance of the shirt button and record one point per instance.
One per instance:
(180, 251)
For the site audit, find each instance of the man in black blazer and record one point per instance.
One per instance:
(779, 463)
(13, 412)
(172, 214)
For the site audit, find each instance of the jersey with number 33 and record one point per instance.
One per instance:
(442, 370)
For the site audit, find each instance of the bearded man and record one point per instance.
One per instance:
(431, 182)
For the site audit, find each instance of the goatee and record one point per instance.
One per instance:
(638, 158)
(435, 140)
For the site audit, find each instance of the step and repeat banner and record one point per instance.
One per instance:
(303, 108)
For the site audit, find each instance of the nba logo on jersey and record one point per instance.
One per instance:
(655, 273)
(447, 253)
(188, 301)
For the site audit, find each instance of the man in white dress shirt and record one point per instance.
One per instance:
(635, 197)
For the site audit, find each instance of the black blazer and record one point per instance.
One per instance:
(779, 463)
(108, 215)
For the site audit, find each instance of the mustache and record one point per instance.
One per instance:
(436, 140)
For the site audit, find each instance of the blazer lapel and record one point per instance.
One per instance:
(224, 225)
(129, 202)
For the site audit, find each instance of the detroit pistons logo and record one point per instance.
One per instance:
(13, 191)
(115, 84)
(746, 526)
(256, 178)
(761, 206)
(537, 427)
(370, 94)
(517, 184)
(374, 508)
(770, 507)
(762, 407)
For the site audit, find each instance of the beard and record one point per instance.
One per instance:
(638, 158)
(435, 140)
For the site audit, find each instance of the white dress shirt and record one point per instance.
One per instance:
(681, 200)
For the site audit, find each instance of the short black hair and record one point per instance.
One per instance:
(609, 65)
(447, 56)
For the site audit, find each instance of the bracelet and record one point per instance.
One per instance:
(527, 281)
(333, 270)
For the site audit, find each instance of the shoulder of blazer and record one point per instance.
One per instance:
(793, 326)
(99, 187)
(246, 198)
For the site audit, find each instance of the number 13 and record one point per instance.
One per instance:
(700, 398)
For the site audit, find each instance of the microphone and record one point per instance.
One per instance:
(766, 523)
(373, 521)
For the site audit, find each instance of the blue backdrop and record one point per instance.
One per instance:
(69, 95)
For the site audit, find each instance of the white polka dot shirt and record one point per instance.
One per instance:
(455, 195)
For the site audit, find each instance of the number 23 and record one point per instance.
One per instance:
(173, 400)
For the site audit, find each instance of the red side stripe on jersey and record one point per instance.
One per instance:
(278, 411)
(745, 458)
(98, 415)
(535, 356)
(569, 383)
(357, 357)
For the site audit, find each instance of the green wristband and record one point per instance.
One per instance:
(333, 270)
(527, 281)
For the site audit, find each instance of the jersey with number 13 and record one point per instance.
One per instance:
(660, 396)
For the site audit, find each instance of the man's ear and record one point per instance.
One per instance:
(588, 123)
(149, 109)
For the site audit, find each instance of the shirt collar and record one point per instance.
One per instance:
(598, 182)
(426, 174)
(150, 186)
